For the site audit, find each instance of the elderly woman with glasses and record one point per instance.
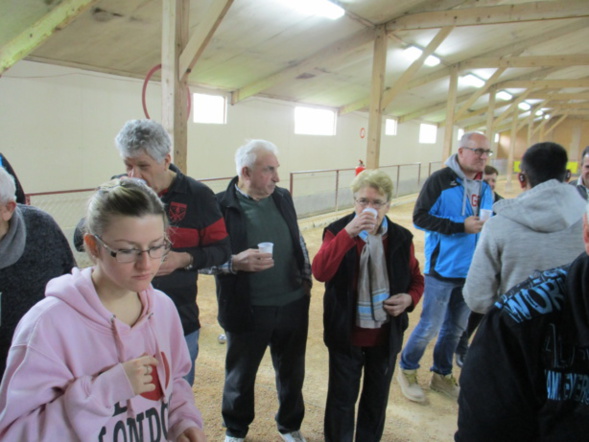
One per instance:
(372, 280)
(102, 357)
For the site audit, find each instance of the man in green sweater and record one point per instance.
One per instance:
(263, 297)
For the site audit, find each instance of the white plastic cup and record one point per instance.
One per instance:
(371, 210)
(266, 247)
(485, 214)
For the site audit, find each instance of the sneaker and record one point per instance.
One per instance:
(409, 387)
(445, 384)
(294, 436)
(234, 439)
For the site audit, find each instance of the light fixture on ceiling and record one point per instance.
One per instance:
(524, 106)
(547, 116)
(539, 112)
(323, 8)
(413, 53)
(504, 95)
(472, 80)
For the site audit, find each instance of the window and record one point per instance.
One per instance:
(210, 109)
(390, 127)
(312, 121)
(428, 133)
(459, 134)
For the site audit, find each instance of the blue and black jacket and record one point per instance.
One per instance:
(526, 377)
(440, 210)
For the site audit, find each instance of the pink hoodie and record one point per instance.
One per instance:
(64, 380)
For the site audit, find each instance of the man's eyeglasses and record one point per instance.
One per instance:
(479, 151)
(377, 204)
(125, 256)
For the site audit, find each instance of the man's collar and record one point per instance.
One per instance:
(245, 195)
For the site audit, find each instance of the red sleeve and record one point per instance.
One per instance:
(417, 281)
(213, 233)
(330, 255)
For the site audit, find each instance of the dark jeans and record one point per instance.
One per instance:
(345, 373)
(473, 322)
(284, 329)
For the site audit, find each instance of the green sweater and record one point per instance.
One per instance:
(275, 286)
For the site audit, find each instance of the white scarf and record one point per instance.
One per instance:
(373, 281)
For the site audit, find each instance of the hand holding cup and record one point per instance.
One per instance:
(365, 221)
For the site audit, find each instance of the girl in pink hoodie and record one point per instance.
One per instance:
(102, 357)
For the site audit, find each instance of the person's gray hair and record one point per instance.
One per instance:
(7, 187)
(246, 155)
(139, 136)
(466, 139)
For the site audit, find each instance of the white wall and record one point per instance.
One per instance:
(58, 124)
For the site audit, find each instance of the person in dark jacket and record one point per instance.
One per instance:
(526, 377)
(33, 250)
(263, 298)
(372, 279)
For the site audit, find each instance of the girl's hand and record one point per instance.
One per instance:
(139, 371)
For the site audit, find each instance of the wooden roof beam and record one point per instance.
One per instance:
(526, 62)
(560, 96)
(203, 35)
(483, 90)
(559, 84)
(580, 105)
(28, 40)
(574, 26)
(390, 93)
(401, 83)
(489, 15)
(339, 48)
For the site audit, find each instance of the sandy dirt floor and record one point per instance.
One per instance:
(406, 421)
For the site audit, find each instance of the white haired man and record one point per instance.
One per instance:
(263, 298)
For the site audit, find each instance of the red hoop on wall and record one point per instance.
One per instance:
(152, 71)
(362, 133)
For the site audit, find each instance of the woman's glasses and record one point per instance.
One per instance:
(125, 256)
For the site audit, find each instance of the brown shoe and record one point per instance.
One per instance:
(409, 387)
(445, 384)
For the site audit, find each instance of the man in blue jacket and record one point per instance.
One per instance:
(448, 210)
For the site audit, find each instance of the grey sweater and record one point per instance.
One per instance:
(540, 229)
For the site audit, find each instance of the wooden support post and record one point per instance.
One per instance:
(174, 92)
(377, 86)
(509, 182)
(449, 127)
(490, 117)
